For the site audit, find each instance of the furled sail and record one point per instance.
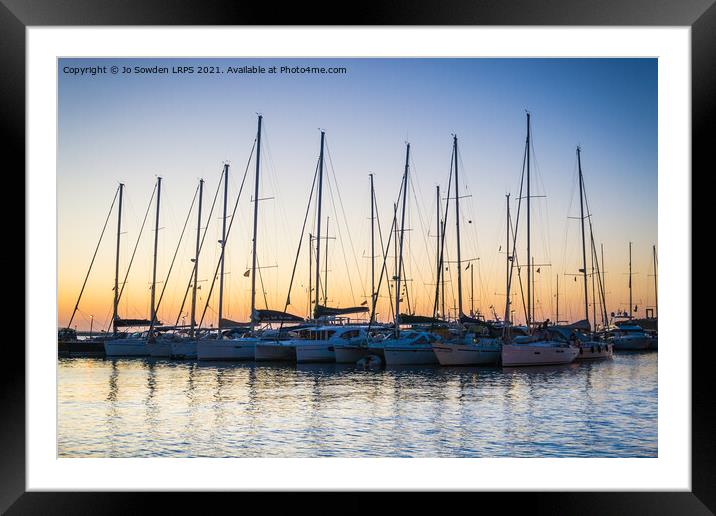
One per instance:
(418, 319)
(228, 323)
(126, 323)
(275, 316)
(324, 311)
(580, 325)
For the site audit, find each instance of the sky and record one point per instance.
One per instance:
(133, 127)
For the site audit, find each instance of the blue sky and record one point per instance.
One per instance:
(131, 127)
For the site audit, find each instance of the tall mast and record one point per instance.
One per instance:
(472, 290)
(556, 321)
(630, 296)
(594, 292)
(457, 228)
(529, 249)
(318, 223)
(656, 292)
(372, 248)
(325, 272)
(508, 263)
(402, 234)
(196, 258)
(256, 218)
(437, 251)
(584, 251)
(154, 264)
(604, 286)
(116, 264)
(310, 273)
(223, 246)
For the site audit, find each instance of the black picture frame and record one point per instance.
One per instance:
(700, 15)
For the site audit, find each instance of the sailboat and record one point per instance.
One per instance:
(540, 347)
(467, 347)
(238, 343)
(409, 347)
(318, 344)
(134, 344)
(590, 345)
(627, 335)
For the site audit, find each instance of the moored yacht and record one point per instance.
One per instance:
(410, 348)
(318, 344)
(630, 337)
(127, 345)
(468, 349)
(538, 350)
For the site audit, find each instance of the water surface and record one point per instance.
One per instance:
(148, 407)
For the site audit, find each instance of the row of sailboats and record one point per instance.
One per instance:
(326, 337)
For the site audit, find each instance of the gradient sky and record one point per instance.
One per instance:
(131, 128)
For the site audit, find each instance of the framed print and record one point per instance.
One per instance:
(422, 252)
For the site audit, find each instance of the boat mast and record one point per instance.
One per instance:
(196, 258)
(508, 263)
(529, 255)
(656, 293)
(402, 234)
(584, 249)
(153, 317)
(310, 273)
(556, 321)
(116, 264)
(437, 251)
(457, 228)
(372, 249)
(318, 223)
(223, 246)
(325, 272)
(630, 296)
(256, 215)
(604, 286)
(472, 290)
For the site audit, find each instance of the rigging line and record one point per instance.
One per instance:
(343, 211)
(386, 249)
(423, 230)
(201, 245)
(514, 240)
(300, 242)
(384, 267)
(442, 237)
(176, 251)
(226, 237)
(84, 283)
(340, 237)
(139, 236)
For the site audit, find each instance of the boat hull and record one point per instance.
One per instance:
(526, 355)
(184, 349)
(80, 348)
(274, 352)
(410, 355)
(226, 349)
(126, 348)
(630, 343)
(313, 353)
(449, 354)
(350, 354)
(595, 351)
(160, 348)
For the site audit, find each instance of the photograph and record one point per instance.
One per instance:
(358, 257)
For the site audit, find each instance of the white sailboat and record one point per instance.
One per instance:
(590, 346)
(237, 345)
(466, 348)
(135, 344)
(540, 347)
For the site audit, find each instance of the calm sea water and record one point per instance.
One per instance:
(145, 407)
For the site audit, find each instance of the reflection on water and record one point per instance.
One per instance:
(147, 407)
